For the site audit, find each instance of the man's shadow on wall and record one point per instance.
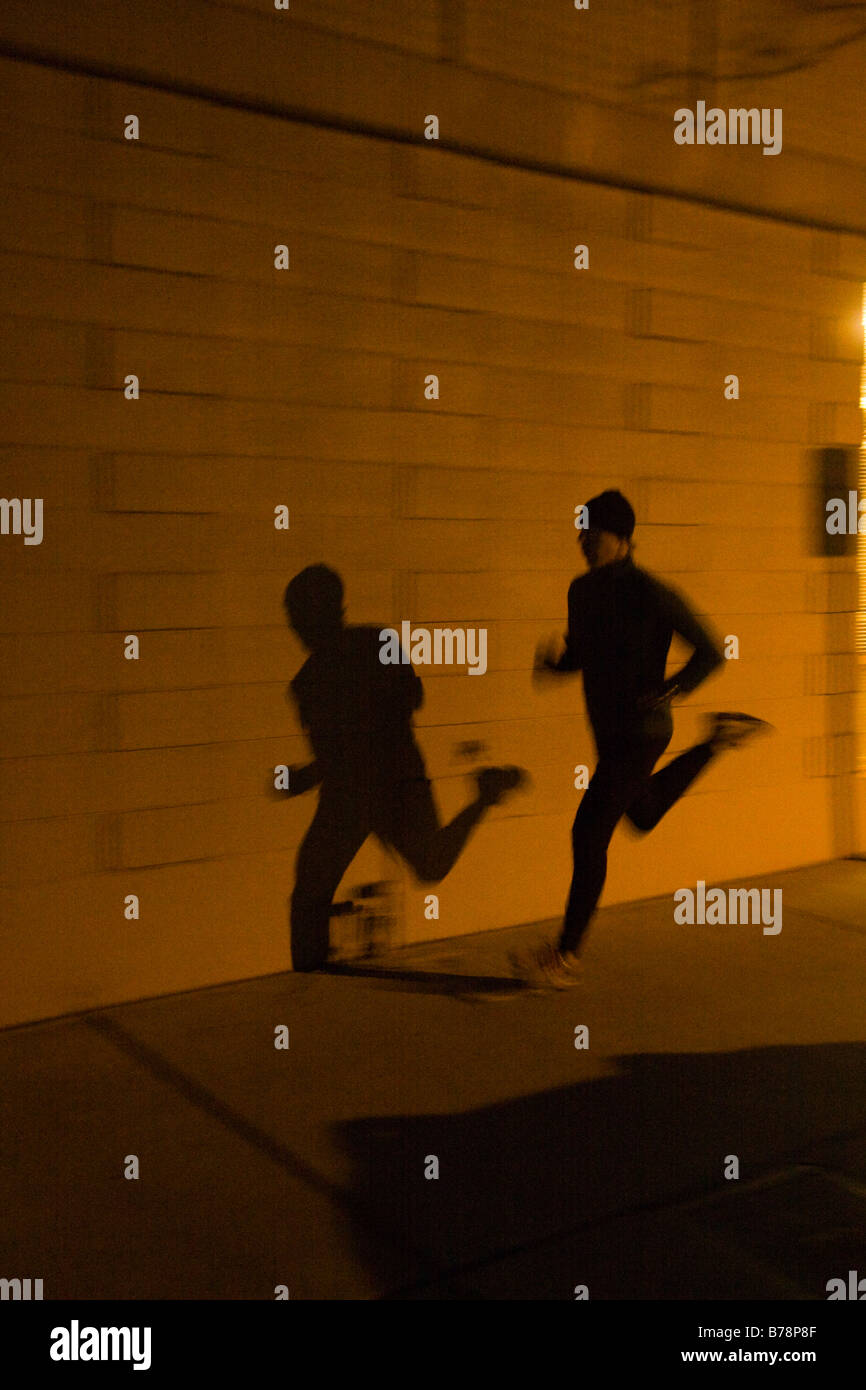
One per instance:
(357, 713)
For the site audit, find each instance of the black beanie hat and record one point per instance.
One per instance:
(610, 511)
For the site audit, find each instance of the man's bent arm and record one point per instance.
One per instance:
(707, 655)
(303, 779)
(571, 659)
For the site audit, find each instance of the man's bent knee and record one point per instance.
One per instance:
(429, 872)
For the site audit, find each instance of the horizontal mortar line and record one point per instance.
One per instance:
(380, 131)
(305, 517)
(565, 571)
(559, 378)
(589, 380)
(234, 801)
(81, 132)
(608, 324)
(331, 233)
(429, 673)
(168, 748)
(777, 303)
(84, 633)
(554, 519)
(325, 410)
(285, 736)
(404, 412)
(225, 855)
(165, 748)
(116, 264)
(441, 518)
(147, 866)
(326, 227)
(122, 811)
(192, 395)
(562, 377)
(115, 694)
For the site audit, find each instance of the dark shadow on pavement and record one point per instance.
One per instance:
(430, 981)
(598, 1162)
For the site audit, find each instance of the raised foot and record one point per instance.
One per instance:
(495, 783)
(731, 729)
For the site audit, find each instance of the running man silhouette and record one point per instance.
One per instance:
(621, 620)
(357, 714)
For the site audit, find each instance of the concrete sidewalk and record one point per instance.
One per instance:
(558, 1167)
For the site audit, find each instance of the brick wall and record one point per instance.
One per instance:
(305, 387)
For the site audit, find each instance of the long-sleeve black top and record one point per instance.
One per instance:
(621, 620)
(357, 712)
